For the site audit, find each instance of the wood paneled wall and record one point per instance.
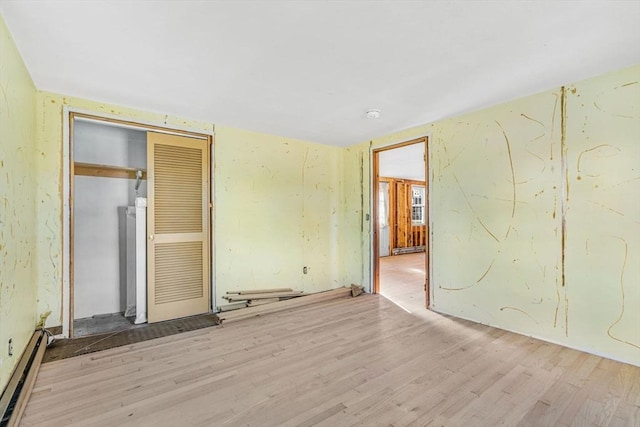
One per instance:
(402, 233)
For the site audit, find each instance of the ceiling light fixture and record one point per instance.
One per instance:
(372, 114)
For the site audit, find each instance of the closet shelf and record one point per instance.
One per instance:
(106, 171)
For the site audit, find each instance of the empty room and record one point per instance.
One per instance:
(331, 213)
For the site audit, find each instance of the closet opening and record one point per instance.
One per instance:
(109, 205)
(140, 215)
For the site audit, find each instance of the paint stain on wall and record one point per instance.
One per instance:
(603, 214)
(18, 223)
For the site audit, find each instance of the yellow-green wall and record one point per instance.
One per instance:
(277, 205)
(603, 214)
(277, 211)
(502, 181)
(500, 184)
(18, 185)
(50, 176)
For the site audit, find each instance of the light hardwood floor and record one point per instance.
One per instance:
(402, 279)
(354, 361)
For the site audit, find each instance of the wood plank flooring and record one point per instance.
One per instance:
(362, 361)
(402, 279)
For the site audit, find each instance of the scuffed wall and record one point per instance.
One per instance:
(277, 211)
(534, 208)
(50, 175)
(17, 205)
(602, 250)
(503, 182)
(354, 230)
(497, 217)
(277, 205)
(355, 234)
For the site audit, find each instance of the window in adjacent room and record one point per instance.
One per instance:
(417, 205)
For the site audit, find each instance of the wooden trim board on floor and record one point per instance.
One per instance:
(302, 301)
(260, 291)
(270, 295)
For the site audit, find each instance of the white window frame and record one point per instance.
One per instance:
(420, 205)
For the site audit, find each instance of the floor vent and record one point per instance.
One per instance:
(16, 394)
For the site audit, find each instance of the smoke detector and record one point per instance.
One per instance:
(372, 114)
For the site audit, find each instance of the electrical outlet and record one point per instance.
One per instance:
(10, 347)
(304, 270)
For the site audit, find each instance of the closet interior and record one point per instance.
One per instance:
(109, 210)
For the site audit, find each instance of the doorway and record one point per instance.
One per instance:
(401, 224)
(139, 225)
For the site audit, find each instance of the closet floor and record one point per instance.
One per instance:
(102, 323)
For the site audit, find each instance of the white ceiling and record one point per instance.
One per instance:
(404, 162)
(310, 69)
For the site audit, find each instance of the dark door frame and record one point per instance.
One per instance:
(376, 214)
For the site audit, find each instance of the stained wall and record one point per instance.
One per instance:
(276, 206)
(18, 185)
(49, 137)
(534, 210)
(535, 214)
(602, 253)
(277, 211)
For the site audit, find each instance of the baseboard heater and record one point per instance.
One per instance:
(409, 250)
(16, 394)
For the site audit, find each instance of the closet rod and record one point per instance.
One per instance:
(106, 171)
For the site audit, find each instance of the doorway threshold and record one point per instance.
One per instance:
(396, 303)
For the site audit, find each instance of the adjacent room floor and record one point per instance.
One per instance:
(352, 361)
(402, 279)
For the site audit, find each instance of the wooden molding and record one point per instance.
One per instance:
(269, 295)
(422, 231)
(260, 291)
(140, 126)
(259, 310)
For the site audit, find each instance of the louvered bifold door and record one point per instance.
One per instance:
(178, 226)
